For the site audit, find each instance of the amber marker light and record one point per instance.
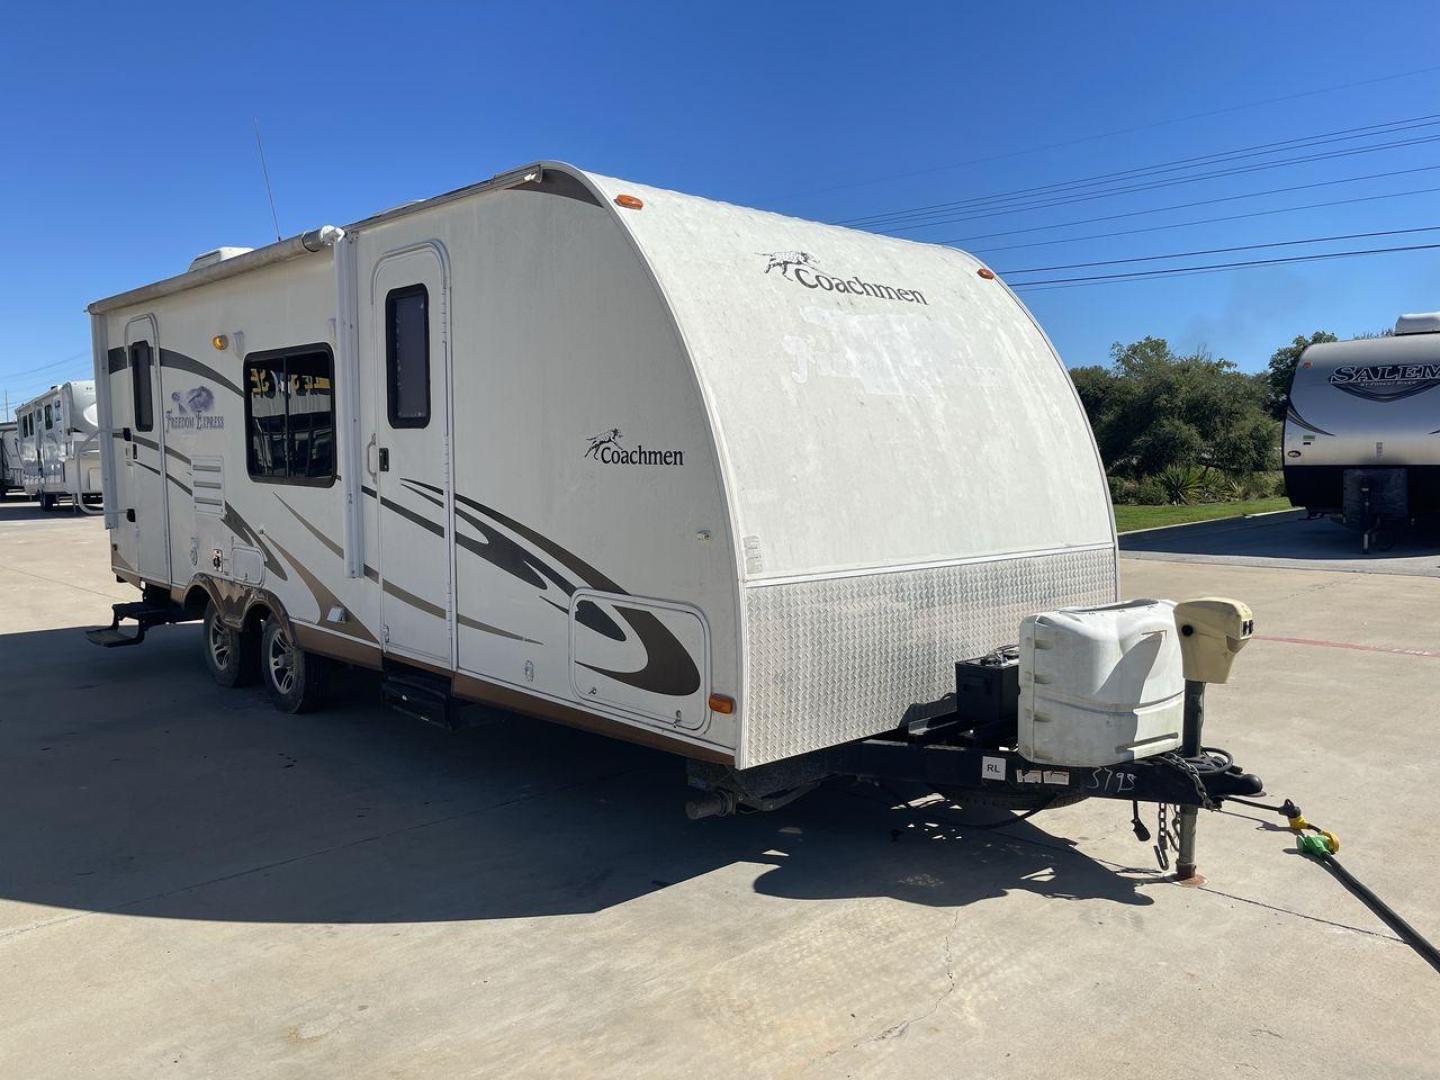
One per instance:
(630, 202)
(722, 704)
(986, 273)
(220, 341)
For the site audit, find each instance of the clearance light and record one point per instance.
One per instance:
(722, 704)
(986, 273)
(630, 202)
(220, 341)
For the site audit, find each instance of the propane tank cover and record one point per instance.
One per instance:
(1101, 686)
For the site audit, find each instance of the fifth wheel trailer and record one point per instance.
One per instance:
(715, 480)
(59, 444)
(11, 476)
(1362, 427)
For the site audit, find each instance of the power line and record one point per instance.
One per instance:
(1151, 186)
(891, 176)
(46, 367)
(1197, 221)
(1223, 250)
(1140, 275)
(1197, 202)
(1255, 150)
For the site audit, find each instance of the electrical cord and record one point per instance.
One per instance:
(1316, 848)
(1322, 847)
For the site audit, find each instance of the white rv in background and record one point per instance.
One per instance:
(1362, 427)
(11, 476)
(716, 480)
(59, 442)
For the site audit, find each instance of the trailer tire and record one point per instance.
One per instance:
(232, 656)
(296, 680)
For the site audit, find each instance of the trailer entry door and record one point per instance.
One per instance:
(145, 521)
(409, 457)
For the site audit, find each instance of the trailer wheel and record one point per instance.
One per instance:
(296, 679)
(233, 656)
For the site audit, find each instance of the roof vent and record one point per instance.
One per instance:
(216, 255)
(1427, 323)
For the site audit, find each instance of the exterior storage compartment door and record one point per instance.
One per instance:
(646, 657)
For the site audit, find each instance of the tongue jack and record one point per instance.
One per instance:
(1212, 631)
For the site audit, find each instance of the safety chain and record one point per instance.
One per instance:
(1167, 830)
(1175, 761)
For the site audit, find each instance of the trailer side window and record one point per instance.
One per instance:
(140, 359)
(407, 356)
(290, 416)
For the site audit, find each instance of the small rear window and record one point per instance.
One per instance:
(407, 356)
(140, 357)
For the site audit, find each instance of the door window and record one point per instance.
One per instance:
(407, 356)
(49, 417)
(140, 387)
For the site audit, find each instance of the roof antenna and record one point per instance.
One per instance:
(266, 173)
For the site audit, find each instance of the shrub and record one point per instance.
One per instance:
(1150, 492)
(1263, 485)
(1184, 484)
(1225, 488)
(1122, 490)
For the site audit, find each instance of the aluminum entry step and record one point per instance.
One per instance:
(422, 696)
(109, 637)
(145, 615)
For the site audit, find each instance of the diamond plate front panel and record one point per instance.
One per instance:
(842, 658)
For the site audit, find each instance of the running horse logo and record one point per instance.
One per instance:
(604, 439)
(200, 400)
(786, 259)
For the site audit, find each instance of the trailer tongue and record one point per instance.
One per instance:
(1034, 726)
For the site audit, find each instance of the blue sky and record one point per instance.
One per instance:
(128, 144)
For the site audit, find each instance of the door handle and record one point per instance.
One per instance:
(384, 459)
(368, 447)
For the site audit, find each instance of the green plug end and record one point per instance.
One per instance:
(1314, 846)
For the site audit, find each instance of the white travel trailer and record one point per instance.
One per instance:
(11, 476)
(719, 481)
(1362, 427)
(60, 445)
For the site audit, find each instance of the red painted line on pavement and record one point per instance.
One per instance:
(1435, 653)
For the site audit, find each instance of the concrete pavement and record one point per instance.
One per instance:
(193, 885)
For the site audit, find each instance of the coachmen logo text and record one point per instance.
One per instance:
(1386, 382)
(800, 267)
(607, 449)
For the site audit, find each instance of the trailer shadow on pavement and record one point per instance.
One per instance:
(13, 509)
(1292, 540)
(133, 784)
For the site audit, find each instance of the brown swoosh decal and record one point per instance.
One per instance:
(325, 600)
(181, 362)
(241, 528)
(395, 591)
(669, 669)
(151, 468)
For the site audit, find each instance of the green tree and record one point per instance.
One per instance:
(1152, 410)
(1275, 379)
